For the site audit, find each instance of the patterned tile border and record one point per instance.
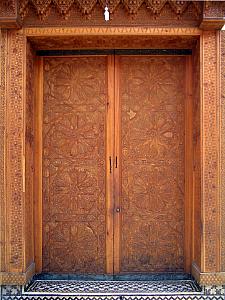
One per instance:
(140, 297)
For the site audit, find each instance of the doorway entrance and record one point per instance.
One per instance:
(115, 152)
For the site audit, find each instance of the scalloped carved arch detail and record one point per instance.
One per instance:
(43, 7)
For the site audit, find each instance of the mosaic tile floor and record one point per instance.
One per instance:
(55, 289)
(92, 288)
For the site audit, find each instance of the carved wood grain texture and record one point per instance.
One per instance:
(74, 126)
(152, 95)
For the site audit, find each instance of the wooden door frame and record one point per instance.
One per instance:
(188, 183)
(18, 263)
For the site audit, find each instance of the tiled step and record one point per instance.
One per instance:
(109, 290)
(112, 288)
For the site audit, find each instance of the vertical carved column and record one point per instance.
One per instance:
(15, 152)
(16, 270)
(210, 269)
(210, 152)
(3, 51)
(223, 151)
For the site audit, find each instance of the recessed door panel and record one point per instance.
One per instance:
(74, 166)
(150, 195)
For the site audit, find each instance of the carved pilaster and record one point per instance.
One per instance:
(16, 247)
(223, 151)
(210, 152)
(3, 51)
(15, 151)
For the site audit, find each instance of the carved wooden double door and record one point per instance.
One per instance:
(113, 164)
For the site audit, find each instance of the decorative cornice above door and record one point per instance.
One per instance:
(150, 13)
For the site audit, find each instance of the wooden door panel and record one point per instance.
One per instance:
(74, 166)
(150, 227)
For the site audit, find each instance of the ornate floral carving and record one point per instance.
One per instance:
(42, 7)
(23, 8)
(66, 8)
(74, 165)
(112, 4)
(179, 6)
(63, 6)
(156, 5)
(152, 98)
(7, 8)
(133, 5)
(86, 6)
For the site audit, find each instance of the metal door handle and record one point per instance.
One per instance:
(118, 209)
(110, 164)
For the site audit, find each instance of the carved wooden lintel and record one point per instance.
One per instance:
(9, 17)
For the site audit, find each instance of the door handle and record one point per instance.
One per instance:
(110, 164)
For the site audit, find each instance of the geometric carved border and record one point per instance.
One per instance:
(3, 43)
(17, 278)
(223, 150)
(210, 152)
(208, 278)
(15, 152)
(49, 31)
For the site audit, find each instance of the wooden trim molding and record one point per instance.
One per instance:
(71, 31)
(12, 278)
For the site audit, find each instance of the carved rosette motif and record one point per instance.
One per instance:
(74, 165)
(152, 196)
